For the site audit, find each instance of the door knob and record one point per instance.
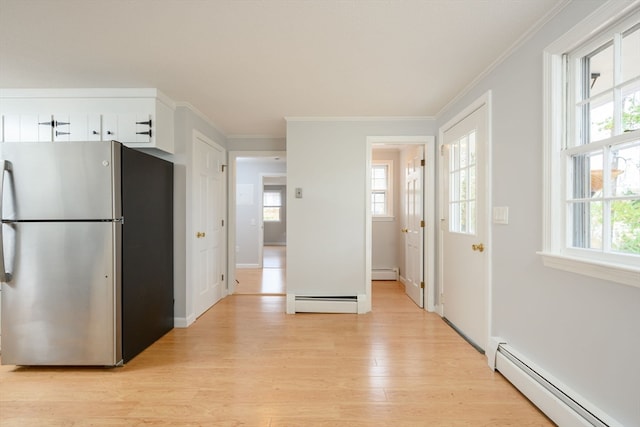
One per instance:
(200, 234)
(479, 247)
(404, 230)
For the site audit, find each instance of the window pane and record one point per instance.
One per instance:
(625, 170)
(464, 185)
(463, 151)
(378, 203)
(454, 217)
(587, 175)
(601, 118)
(272, 198)
(631, 55)
(271, 214)
(379, 177)
(472, 182)
(625, 226)
(599, 71)
(454, 157)
(587, 224)
(454, 186)
(631, 107)
(463, 217)
(472, 148)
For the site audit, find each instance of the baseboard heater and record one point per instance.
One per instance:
(384, 274)
(554, 399)
(326, 304)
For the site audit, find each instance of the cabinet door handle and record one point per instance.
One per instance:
(145, 133)
(95, 132)
(148, 123)
(110, 133)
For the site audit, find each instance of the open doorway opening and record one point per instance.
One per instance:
(401, 232)
(259, 229)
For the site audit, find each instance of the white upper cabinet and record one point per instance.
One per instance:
(141, 118)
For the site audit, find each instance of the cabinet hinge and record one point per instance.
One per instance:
(422, 162)
(422, 223)
(421, 285)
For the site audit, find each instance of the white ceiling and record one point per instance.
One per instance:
(247, 64)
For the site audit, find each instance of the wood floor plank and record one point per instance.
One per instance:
(247, 363)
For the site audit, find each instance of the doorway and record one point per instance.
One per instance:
(257, 237)
(464, 233)
(401, 238)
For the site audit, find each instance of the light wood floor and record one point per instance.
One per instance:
(245, 362)
(270, 280)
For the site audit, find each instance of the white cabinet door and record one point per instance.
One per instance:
(77, 127)
(27, 127)
(127, 127)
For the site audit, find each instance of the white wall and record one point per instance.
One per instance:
(583, 331)
(326, 228)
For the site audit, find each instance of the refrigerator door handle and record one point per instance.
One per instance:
(5, 276)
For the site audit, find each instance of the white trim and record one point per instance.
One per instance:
(546, 391)
(601, 270)
(553, 253)
(358, 119)
(428, 199)
(183, 322)
(242, 266)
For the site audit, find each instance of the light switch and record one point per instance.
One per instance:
(298, 193)
(501, 215)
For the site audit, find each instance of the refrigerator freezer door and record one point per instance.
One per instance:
(61, 181)
(62, 306)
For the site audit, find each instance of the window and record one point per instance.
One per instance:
(381, 188)
(462, 185)
(592, 149)
(271, 205)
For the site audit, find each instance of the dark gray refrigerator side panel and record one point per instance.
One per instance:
(147, 250)
(59, 307)
(60, 181)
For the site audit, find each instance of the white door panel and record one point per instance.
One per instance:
(413, 220)
(464, 227)
(208, 225)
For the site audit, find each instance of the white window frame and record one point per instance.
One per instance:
(388, 215)
(555, 252)
(272, 206)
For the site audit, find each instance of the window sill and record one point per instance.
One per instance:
(613, 272)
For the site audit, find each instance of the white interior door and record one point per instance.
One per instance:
(464, 227)
(208, 230)
(414, 224)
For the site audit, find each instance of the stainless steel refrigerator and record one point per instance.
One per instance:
(87, 252)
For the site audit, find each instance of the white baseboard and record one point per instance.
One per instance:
(311, 304)
(561, 404)
(384, 274)
(183, 322)
(247, 265)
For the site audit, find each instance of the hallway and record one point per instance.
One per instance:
(246, 362)
(270, 280)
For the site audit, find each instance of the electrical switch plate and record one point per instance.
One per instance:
(298, 193)
(501, 215)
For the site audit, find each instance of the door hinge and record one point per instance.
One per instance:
(442, 150)
(441, 298)
(422, 162)
(223, 222)
(223, 277)
(421, 285)
(422, 224)
(223, 167)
